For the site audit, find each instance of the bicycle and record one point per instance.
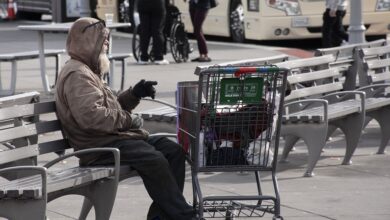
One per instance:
(174, 35)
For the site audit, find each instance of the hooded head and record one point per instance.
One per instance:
(88, 43)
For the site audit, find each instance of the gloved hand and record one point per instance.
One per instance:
(136, 121)
(144, 89)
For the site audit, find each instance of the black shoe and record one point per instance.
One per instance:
(195, 60)
(201, 59)
(204, 59)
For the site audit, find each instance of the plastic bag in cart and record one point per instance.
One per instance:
(259, 153)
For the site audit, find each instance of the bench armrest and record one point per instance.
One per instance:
(115, 152)
(374, 90)
(35, 170)
(309, 102)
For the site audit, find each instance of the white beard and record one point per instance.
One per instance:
(104, 63)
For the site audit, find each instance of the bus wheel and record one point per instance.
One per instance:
(237, 27)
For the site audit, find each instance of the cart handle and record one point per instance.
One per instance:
(245, 70)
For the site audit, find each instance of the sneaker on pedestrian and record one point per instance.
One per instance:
(143, 62)
(161, 62)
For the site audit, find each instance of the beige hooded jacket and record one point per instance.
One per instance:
(92, 116)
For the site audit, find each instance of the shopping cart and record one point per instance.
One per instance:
(229, 121)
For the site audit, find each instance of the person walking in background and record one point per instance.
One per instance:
(152, 20)
(198, 13)
(333, 32)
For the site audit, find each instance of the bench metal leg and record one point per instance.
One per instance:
(58, 63)
(13, 77)
(382, 116)
(331, 130)
(101, 195)
(290, 142)
(110, 75)
(1, 83)
(314, 137)
(123, 73)
(352, 127)
(23, 209)
(87, 206)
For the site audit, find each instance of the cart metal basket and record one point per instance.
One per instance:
(229, 121)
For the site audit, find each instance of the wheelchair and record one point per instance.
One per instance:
(175, 36)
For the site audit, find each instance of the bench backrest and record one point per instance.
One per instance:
(30, 130)
(376, 65)
(346, 60)
(312, 77)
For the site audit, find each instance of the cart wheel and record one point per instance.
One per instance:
(180, 47)
(136, 45)
(277, 218)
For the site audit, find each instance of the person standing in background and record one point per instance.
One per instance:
(152, 20)
(333, 32)
(198, 12)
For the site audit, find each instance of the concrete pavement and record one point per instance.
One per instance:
(357, 191)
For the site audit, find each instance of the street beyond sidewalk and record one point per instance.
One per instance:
(357, 191)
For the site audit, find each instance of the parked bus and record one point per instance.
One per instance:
(281, 19)
(238, 19)
(270, 19)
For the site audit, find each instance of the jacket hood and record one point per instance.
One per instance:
(85, 41)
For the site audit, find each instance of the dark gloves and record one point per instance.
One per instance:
(144, 89)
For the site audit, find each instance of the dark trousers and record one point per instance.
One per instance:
(152, 26)
(333, 32)
(198, 15)
(161, 164)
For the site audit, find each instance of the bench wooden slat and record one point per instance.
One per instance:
(26, 110)
(33, 150)
(380, 77)
(29, 130)
(376, 102)
(18, 153)
(314, 61)
(375, 50)
(375, 64)
(30, 187)
(306, 77)
(341, 109)
(315, 90)
(29, 54)
(18, 99)
(335, 111)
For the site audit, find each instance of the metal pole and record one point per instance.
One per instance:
(356, 28)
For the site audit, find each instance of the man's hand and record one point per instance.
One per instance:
(145, 89)
(136, 121)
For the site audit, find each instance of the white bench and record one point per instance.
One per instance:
(317, 106)
(347, 60)
(15, 57)
(25, 193)
(375, 78)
